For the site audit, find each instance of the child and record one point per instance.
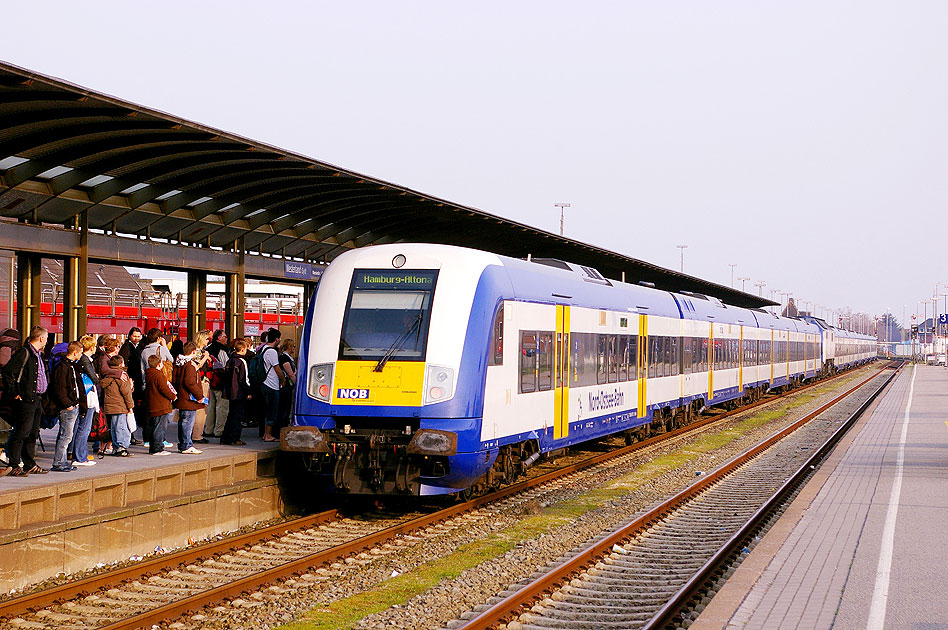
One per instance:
(64, 392)
(158, 398)
(236, 388)
(117, 402)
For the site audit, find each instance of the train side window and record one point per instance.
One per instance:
(545, 361)
(497, 337)
(601, 366)
(686, 355)
(633, 357)
(675, 356)
(528, 362)
(613, 359)
(623, 358)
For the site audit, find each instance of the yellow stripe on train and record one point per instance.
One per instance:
(399, 384)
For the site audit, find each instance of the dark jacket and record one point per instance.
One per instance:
(236, 381)
(10, 342)
(186, 381)
(64, 389)
(116, 396)
(84, 366)
(22, 364)
(158, 395)
(133, 363)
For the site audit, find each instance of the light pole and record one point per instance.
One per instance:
(732, 265)
(562, 207)
(682, 248)
(743, 279)
(760, 284)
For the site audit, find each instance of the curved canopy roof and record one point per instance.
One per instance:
(144, 173)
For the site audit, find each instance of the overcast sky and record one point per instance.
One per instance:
(807, 142)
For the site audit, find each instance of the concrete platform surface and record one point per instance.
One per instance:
(139, 459)
(864, 545)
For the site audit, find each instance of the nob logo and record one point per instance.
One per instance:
(357, 394)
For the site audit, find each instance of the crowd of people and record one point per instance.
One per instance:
(104, 393)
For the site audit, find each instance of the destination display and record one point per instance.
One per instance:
(417, 280)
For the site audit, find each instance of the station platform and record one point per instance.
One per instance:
(864, 544)
(131, 506)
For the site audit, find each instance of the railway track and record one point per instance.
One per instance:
(647, 573)
(168, 587)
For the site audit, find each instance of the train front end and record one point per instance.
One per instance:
(390, 394)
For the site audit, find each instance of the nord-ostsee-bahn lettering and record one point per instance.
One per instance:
(443, 369)
(601, 400)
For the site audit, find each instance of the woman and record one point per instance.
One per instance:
(187, 384)
(288, 364)
(202, 340)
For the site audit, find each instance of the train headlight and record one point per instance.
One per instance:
(439, 384)
(320, 381)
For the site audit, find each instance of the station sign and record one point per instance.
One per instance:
(943, 318)
(302, 271)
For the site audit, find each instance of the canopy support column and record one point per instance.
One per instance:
(235, 303)
(29, 291)
(197, 302)
(75, 281)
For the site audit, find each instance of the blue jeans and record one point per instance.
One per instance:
(186, 418)
(157, 438)
(80, 436)
(121, 437)
(67, 422)
(271, 403)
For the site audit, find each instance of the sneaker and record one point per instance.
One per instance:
(161, 453)
(202, 441)
(4, 458)
(190, 451)
(135, 442)
(69, 468)
(167, 444)
(85, 463)
(146, 444)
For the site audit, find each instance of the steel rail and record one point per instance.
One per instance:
(687, 592)
(42, 599)
(511, 605)
(45, 598)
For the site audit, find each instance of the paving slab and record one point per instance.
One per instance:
(864, 544)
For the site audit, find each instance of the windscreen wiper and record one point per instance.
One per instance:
(397, 344)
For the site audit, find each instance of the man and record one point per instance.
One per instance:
(270, 388)
(217, 408)
(64, 392)
(132, 356)
(24, 376)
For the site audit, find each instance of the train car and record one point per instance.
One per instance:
(432, 369)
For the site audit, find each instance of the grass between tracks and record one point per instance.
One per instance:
(347, 612)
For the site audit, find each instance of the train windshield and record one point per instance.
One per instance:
(387, 315)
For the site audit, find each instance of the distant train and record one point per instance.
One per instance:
(431, 369)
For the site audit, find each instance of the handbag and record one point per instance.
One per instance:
(100, 429)
(132, 424)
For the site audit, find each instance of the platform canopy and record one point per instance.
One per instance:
(146, 174)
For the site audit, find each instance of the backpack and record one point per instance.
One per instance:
(258, 370)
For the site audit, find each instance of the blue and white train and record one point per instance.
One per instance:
(432, 369)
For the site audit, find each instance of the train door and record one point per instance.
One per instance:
(710, 361)
(642, 351)
(740, 360)
(561, 374)
(771, 357)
